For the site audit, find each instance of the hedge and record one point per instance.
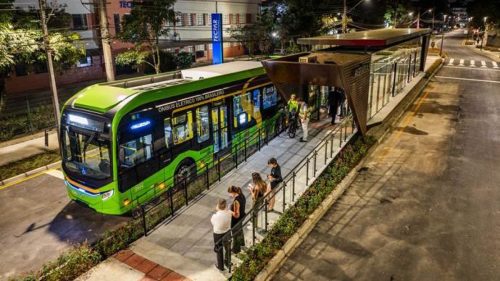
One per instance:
(256, 257)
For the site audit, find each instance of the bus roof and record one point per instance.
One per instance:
(103, 97)
(219, 69)
(100, 98)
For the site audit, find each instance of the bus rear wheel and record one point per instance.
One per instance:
(185, 172)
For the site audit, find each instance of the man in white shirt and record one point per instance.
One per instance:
(221, 222)
(304, 115)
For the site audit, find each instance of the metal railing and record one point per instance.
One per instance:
(260, 218)
(166, 201)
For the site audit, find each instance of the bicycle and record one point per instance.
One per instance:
(292, 125)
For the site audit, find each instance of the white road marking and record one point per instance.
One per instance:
(495, 65)
(472, 63)
(483, 63)
(461, 62)
(470, 68)
(468, 79)
(55, 173)
(451, 61)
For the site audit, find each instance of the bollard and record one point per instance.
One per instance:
(144, 225)
(46, 138)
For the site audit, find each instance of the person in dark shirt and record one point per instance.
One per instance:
(334, 101)
(238, 210)
(275, 179)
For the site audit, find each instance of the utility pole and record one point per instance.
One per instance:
(50, 66)
(433, 19)
(344, 18)
(106, 48)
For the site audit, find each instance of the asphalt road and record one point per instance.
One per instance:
(428, 206)
(38, 222)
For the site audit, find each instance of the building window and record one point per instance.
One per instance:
(225, 19)
(79, 21)
(237, 18)
(200, 19)
(84, 62)
(192, 19)
(231, 19)
(116, 18)
(184, 20)
(178, 19)
(205, 19)
(248, 18)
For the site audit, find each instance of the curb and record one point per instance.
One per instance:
(27, 174)
(294, 242)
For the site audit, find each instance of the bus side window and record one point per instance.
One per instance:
(167, 127)
(136, 151)
(202, 124)
(270, 97)
(256, 100)
(182, 127)
(242, 109)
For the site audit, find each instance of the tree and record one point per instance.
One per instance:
(397, 15)
(184, 60)
(146, 24)
(256, 37)
(135, 58)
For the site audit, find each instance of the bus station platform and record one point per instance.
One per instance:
(182, 247)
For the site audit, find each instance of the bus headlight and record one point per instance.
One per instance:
(106, 195)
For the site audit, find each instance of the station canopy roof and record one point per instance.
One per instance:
(369, 38)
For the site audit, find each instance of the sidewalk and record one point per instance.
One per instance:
(25, 147)
(184, 245)
(488, 53)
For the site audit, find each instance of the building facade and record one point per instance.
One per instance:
(192, 30)
(190, 33)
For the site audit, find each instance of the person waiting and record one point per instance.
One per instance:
(221, 222)
(304, 115)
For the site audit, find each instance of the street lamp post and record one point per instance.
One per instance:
(410, 14)
(484, 33)
(419, 15)
(432, 19)
(344, 15)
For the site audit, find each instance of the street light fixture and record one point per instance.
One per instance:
(419, 15)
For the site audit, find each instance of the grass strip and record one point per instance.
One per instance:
(27, 164)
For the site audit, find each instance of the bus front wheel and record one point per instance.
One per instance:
(185, 172)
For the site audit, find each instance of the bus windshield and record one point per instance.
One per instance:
(86, 154)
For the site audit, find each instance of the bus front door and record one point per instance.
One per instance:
(219, 123)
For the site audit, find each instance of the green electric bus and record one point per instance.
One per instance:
(120, 140)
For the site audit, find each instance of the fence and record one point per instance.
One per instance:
(253, 227)
(34, 119)
(166, 201)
